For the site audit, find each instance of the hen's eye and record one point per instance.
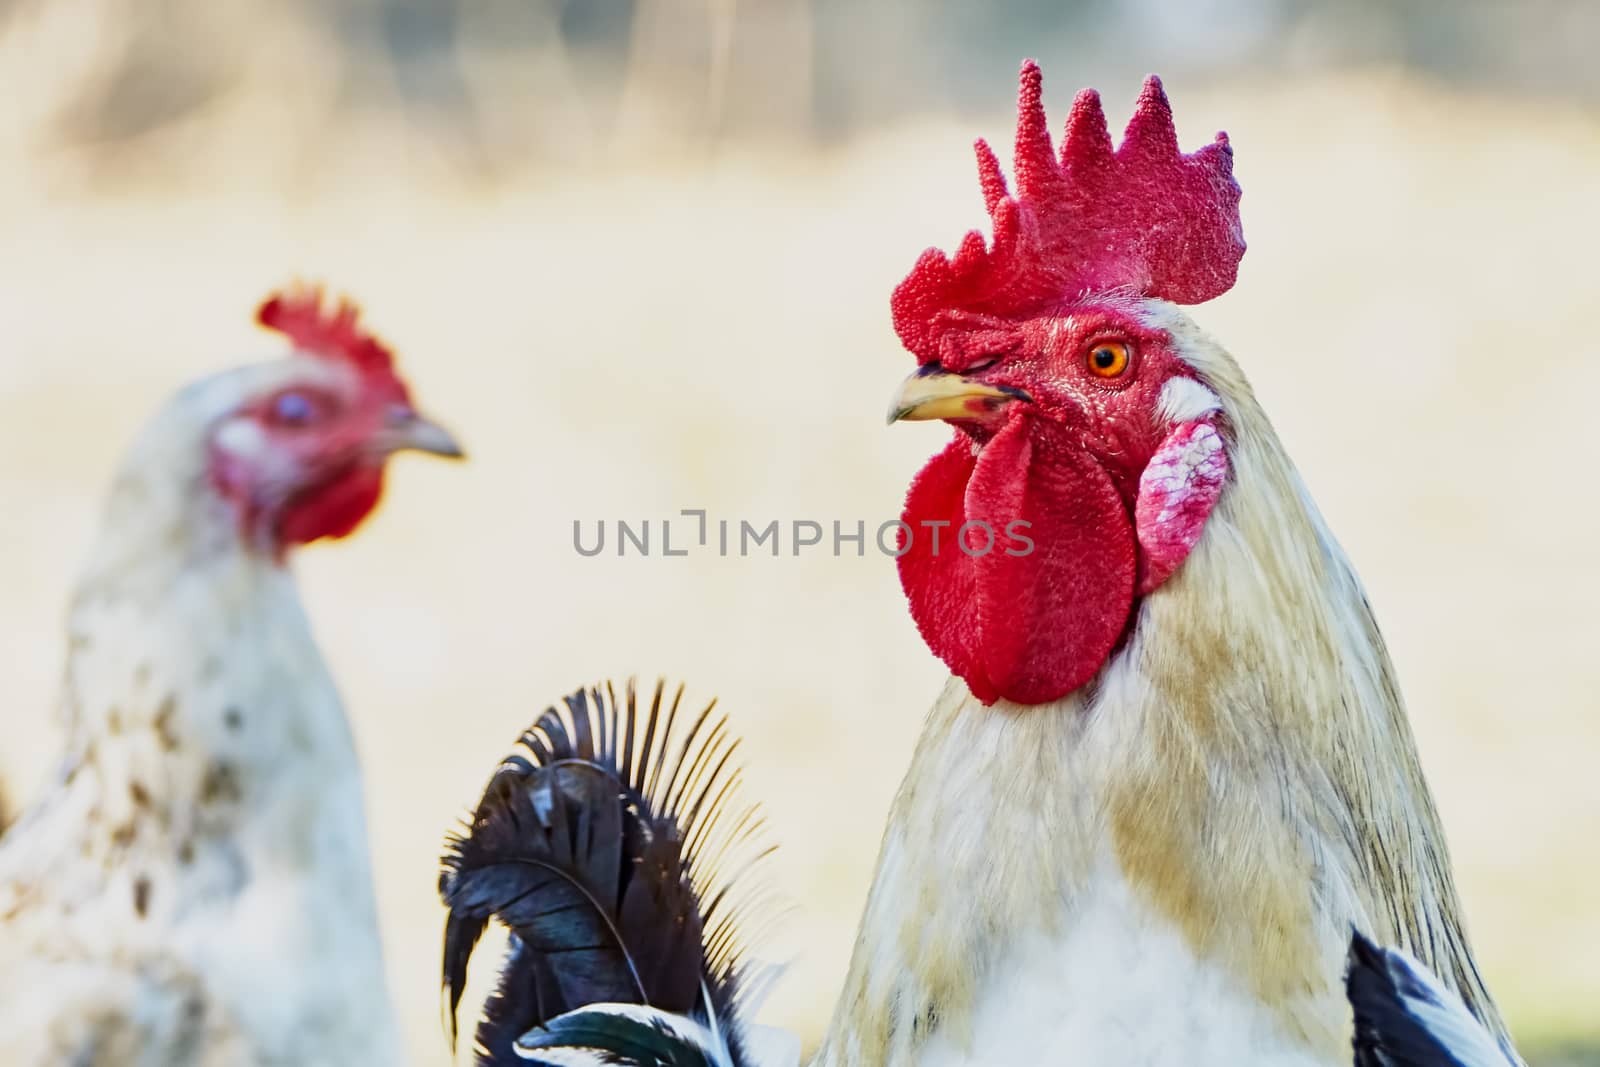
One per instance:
(293, 409)
(1108, 359)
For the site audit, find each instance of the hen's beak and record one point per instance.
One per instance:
(411, 432)
(934, 393)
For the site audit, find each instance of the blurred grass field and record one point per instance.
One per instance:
(664, 320)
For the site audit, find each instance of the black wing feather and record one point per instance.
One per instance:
(1405, 1018)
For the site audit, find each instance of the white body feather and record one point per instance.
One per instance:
(195, 888)
(1116, 985)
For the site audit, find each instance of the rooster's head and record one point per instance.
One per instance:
(1088, 452)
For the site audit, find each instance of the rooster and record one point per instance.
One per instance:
(194, 888)
(1171, 769)
(1404, 1018)
(614, 847)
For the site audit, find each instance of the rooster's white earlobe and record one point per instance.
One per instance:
(1179, 487)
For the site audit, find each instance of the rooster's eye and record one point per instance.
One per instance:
(1108, 359)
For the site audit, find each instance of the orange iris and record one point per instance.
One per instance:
(1108, 359)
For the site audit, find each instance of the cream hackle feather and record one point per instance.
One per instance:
(1243, 765)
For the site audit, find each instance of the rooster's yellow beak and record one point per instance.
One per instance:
(934, 393)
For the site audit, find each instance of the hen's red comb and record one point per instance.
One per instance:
(334, 333)
(1144, 217)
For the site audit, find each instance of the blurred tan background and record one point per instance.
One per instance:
(639, 254)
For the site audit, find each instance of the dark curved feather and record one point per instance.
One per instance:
(1405, 1018)
(605, 844)
(615, 1035)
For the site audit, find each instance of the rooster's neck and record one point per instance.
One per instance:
(1241, 769)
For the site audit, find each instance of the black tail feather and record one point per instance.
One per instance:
(605, 845)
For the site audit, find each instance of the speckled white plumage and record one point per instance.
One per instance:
(194, 888)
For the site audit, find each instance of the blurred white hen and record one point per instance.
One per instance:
(194, 887)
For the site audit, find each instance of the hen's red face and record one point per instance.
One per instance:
(304, 459)
(1084, 465)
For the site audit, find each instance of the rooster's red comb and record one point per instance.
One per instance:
(332, 333)
(1144, 217)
